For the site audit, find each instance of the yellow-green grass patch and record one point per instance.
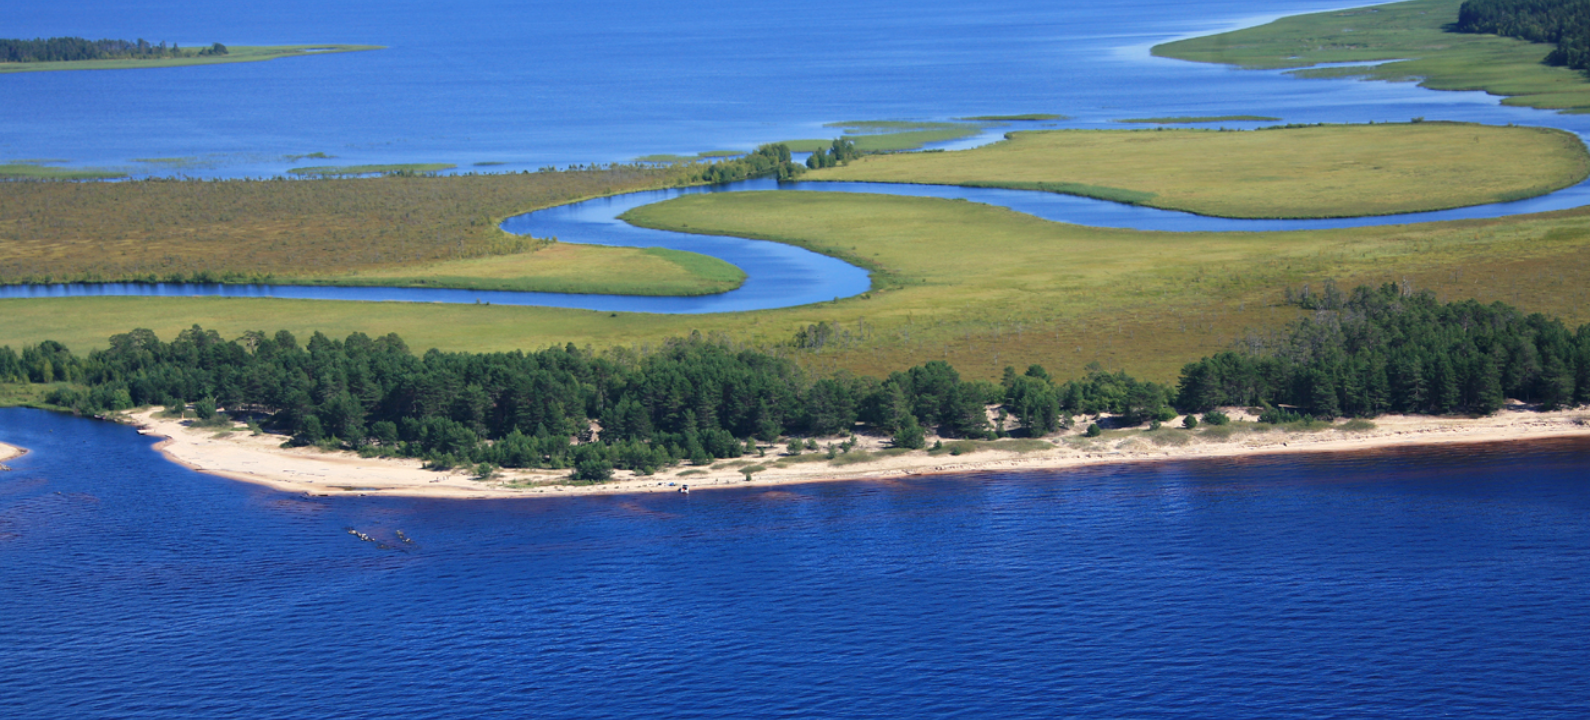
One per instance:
(234, 55)
(1313, 171)
(1408, 40)
(564, 268)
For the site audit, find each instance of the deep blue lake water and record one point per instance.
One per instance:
(1409, 584)
(1451, 582)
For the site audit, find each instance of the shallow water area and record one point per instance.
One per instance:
(1236, 588)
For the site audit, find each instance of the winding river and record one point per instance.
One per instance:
(777, 275)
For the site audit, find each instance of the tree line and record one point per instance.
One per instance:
(1565, 23)
(1379, 350)
(774, 161)
(63, 49)
(696, 400)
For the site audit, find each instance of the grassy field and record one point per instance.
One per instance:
(1315, 171)
(1194, 119)
(557, 267)
(303, 229)
(1408, 40)
(234, 55)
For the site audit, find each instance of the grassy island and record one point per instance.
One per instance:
(1400, 41)
(1298, 172)
(183, 58)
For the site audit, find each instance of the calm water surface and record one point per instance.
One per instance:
(540, 83)
(1451, 582)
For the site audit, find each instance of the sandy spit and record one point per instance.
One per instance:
(260, 459)
(10, 451)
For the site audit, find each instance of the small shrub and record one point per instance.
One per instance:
(1094, 430)
(1215, 417)
(1190, 422)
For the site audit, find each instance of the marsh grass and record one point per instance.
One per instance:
(1356, 425)
(235, 54)
(1294, 172)
(561, 268)
(155, 230)
(1409, 40)
(30, 171)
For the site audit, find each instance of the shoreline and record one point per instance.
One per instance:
(259, 460)
(10, 452)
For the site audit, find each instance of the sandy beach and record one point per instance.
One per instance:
(241, 455)
(10, 451)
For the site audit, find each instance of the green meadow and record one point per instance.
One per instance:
(1294, 172)
(1402, 41)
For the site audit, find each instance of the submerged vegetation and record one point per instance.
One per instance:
(1029, 117)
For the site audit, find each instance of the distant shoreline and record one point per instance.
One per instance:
(260, 460)
(257, 53)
